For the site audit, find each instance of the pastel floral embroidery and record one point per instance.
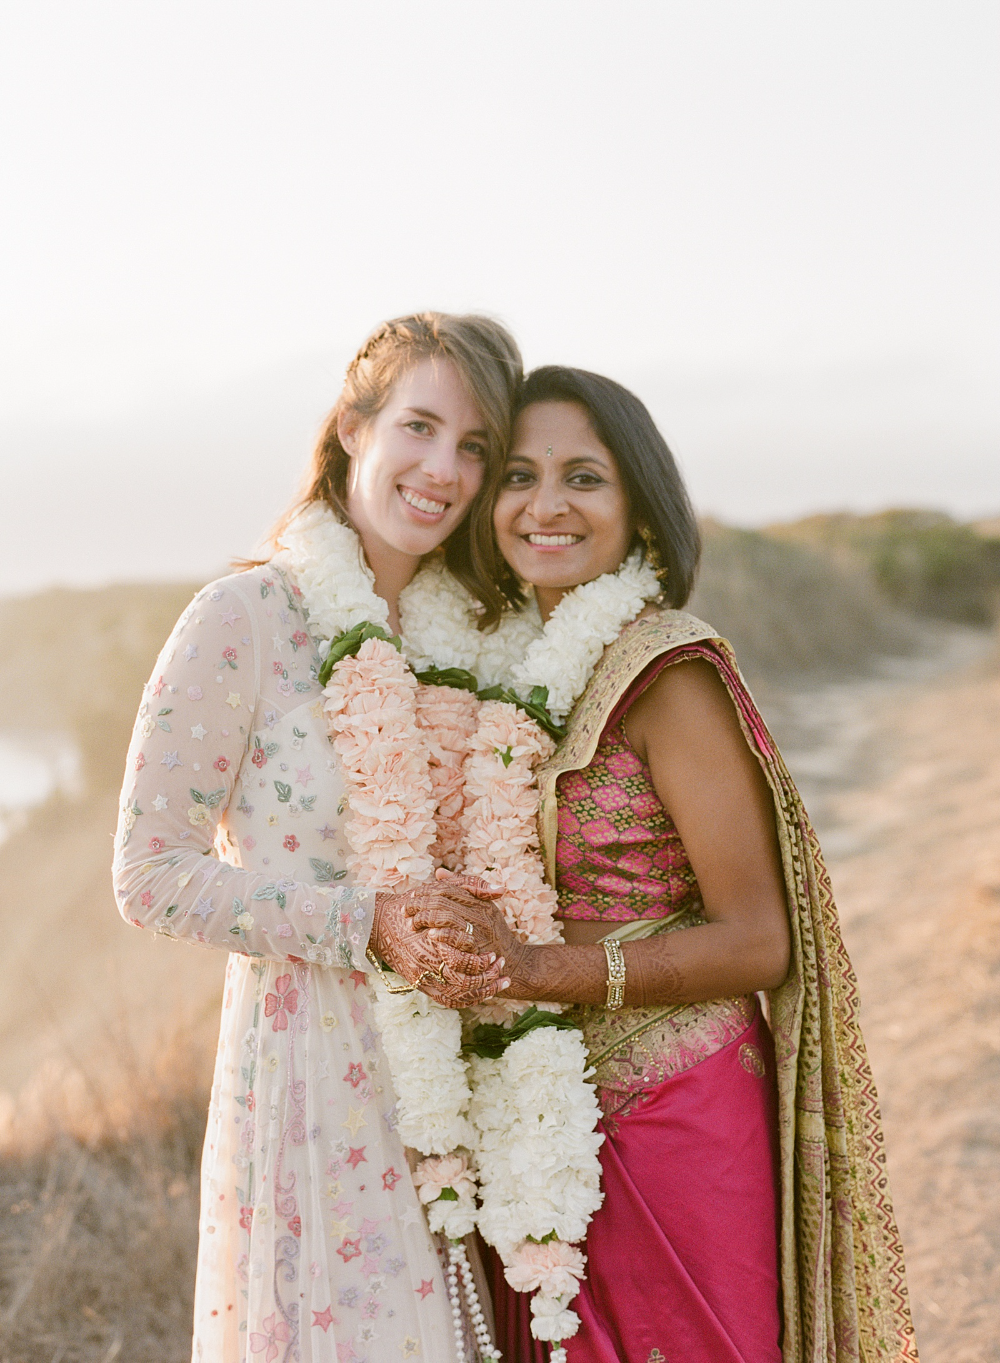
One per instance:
(281, 1003)
(221, 764)
(275, 1332)
(290, 842)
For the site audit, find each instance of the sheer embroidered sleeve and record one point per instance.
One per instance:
(185, 865)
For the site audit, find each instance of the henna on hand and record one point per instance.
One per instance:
(412, 953)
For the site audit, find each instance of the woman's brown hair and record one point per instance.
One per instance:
(489, 363)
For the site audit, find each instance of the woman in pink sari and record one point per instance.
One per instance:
(746, 1217)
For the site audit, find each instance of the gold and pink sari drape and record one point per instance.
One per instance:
(842, 1280)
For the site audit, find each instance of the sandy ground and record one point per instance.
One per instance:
(903, 780)
(902, 776)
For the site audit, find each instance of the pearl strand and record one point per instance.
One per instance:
(458, 1263)
(558, 1355)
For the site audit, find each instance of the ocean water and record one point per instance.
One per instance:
(33, 766)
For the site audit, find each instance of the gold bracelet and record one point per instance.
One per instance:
(616, 974)
(403, 988)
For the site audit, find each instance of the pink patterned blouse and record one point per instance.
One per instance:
(618, 854)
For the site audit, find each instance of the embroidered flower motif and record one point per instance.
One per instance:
(194, 693)
(198, 815)
(300, 639)
(230, 656)
(290, 842)
(258, 757)
(276, 1331)
(221, 764)
(246, 1218)
(156, 844)
(140, 761)
(295, 1226)
(280, 1004)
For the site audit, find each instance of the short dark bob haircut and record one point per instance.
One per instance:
(656, 493)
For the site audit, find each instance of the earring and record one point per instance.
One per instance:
(653, 554)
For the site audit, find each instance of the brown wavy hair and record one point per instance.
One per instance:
(489, 363)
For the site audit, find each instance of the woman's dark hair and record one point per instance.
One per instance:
(653, 485)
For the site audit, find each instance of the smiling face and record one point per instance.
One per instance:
(562, 517)
(417, 465)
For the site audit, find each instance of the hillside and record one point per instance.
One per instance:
(890, 718)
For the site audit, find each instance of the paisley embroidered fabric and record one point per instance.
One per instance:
(618, 854)
(312, 1238)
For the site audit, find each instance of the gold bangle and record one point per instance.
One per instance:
(616, 974)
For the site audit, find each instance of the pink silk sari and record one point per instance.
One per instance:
(747, 1216)
(682, 1258)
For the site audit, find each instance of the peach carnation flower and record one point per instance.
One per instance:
(555, 1267)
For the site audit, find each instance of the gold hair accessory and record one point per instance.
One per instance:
(653, 554)
(616, 974)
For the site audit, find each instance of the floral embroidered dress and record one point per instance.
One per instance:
(313, 1246)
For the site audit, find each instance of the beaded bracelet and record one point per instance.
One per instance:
(616, 974)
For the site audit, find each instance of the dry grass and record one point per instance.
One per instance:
(101, 1119)
(99, 1211)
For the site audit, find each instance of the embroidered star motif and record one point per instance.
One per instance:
(277, 642)
(357, 1012)
(233, 699)
(283, 616)
(198, 731)
(370, 1266)
(324, 1319)
(355, 1120)
(170, 760)
(160, 803)
(230, 617)
(202, 909)
(425, 1289)
(343, 1208)
(340, 1227)
(270, 718)
(357, 1156)
(409, 1347)
(326, 832)
(410, 1216)
(350, 1249)
(303, 776)
(158, 686)
(368, 1039)
(389, 1179)
(191, 652)
(360, 978)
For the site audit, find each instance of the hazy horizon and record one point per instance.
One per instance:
(777, 226)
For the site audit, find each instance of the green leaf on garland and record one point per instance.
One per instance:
(457, 677)
(535, 707)
(490, 1039)
(347, 645)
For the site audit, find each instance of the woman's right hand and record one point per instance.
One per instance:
(455, 976)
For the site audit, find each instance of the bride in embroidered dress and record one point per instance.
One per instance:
(232, 835)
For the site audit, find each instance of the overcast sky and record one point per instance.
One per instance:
(777, 222)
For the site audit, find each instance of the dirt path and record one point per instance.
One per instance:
(903, 779)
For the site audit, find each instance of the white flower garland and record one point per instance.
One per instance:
(533, 1113)
(577, 632)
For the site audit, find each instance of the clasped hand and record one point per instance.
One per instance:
(424, 935)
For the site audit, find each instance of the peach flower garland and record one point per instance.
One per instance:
(435, 776)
